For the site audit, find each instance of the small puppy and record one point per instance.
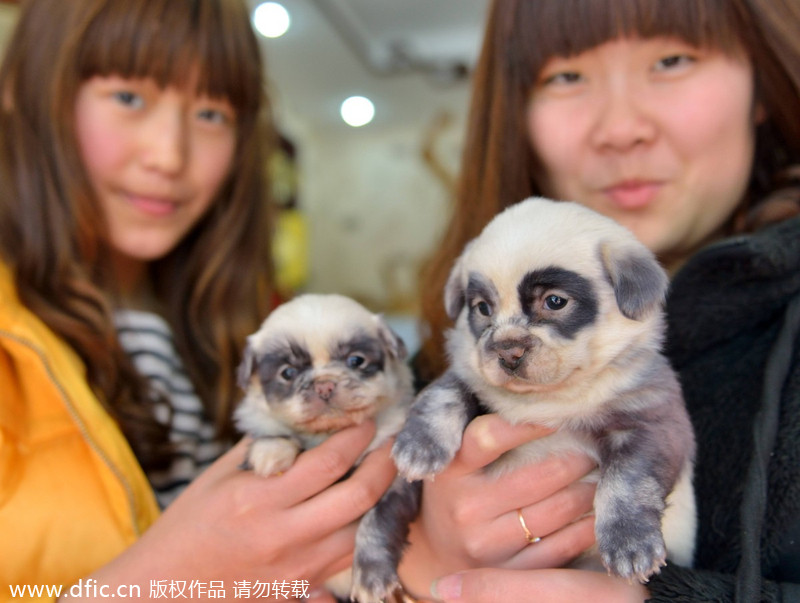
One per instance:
(558, 321)
(318, 364)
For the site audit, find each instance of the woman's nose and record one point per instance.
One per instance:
(621, 121)
(165, 141)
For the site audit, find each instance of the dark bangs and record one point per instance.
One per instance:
(568, 27)
(174, 40)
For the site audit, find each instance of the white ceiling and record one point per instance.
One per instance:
(405, 55)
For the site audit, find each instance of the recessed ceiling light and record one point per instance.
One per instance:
(271, 20)
(357, 111)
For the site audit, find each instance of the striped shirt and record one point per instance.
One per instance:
(147, 339)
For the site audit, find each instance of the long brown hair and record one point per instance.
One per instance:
(215, 286)
(498, 164)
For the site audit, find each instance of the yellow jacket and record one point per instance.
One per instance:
(72, 494)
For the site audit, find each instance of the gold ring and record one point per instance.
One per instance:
(528, 536)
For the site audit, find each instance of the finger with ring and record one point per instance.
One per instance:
(528, 535)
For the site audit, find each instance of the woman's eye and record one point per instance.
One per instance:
(673, 62)
(214, 116)
(129, 99)
(355, 361)
(288, 373)
(563, 78)
(554, 302)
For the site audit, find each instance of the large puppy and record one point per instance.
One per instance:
(318, 364)
(559, 322)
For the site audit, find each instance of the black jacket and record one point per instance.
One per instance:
(733, 338)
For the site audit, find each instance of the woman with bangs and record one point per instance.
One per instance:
(679, 120)
(134, 260)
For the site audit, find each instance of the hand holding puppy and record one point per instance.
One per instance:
(464, 523)
(233, 525)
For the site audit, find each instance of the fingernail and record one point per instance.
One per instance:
(447, 588)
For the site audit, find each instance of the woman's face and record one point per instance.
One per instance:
(156, 159)
(654, 133)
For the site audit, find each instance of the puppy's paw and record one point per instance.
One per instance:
(374, 579)
(418, 454)
(631, 549)
(270, 456)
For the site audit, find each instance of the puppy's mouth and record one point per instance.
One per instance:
(519, 384)
(329, 419)
(329, 405)
(520, 366)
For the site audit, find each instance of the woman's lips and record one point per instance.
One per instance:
(633, 194)
(153, 206)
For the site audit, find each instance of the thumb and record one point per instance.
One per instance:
(483, 585)
(488, 436)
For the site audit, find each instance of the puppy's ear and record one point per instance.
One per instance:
(454, 290)
(391, 341)
(640, 283)
(246, 366)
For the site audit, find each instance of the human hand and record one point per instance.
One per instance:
(233, 526)
(469, 519)
(557, 585)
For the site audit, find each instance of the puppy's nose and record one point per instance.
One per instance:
(325, 389)
(510, 358)
(511, 350)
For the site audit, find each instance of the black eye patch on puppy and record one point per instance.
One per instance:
(362, 352)
(481, 295)
(578, 298)
(281, 366)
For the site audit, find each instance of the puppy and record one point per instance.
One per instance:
(558, 321)
(318, 364)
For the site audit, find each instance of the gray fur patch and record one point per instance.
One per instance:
(380, 540)
(432, 433)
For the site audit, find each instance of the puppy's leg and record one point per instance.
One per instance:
(380, 540)
(640, 465)
(271, 455)
(432, 433)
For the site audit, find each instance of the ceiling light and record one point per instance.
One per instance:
(271, 20)
(357, 111)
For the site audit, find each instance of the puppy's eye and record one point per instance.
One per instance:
(483, 308)
(289, 373)
(355, 361)
(554, 302)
